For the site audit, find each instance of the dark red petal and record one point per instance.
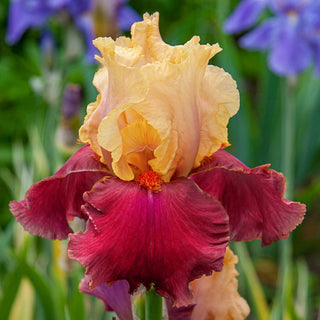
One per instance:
(52, 202)
(115, 297)
(223, 159)
(167, 238)
(253, 198)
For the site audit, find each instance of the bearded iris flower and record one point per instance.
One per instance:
(160, 196)
(24, 14)
(290, 34)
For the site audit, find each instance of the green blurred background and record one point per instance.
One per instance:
(35, 275)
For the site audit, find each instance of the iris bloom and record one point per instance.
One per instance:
(215, 296)
(290, 34)
(160, 196)
(25, 14)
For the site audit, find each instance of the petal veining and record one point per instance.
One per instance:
(52, 202)
(253, 198)
(165, 238)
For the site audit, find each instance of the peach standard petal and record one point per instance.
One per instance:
(183, 103)
(219, 102)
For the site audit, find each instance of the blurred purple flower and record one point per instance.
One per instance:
(245, 16)
(312, 31)
(125, 15)
(291, 34)
(112, 16)
(24, 14)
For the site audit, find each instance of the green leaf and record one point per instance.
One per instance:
(10, 288)
(42, 290)
(76, 300)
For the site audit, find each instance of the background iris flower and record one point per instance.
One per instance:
(160, 196)
(25, 14)
(290, 34)
(35, 14)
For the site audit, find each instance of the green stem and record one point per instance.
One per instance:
(284, 294)
(153, 305)
(288, 132)
(252, 280)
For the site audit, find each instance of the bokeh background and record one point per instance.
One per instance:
(45, 86)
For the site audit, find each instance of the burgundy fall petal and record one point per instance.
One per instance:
(167, 238)
(115, 297)
(253, 198)
(223, 159)
(52, 202)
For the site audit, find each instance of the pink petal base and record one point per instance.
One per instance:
(167, 238)
(52, 202)
(253, 198)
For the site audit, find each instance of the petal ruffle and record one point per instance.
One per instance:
(245, 15)
(52, 202)
(117, 85)
(217, 296)
(167, 238)
(171, 105)
(253, 198)
(115, 297)
(167, 87)
(219, 101)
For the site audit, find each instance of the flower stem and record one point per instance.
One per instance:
(153, 305)
(288, 129)
(284, 294)
(252, 280)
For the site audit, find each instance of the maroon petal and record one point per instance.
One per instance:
(52, 202)
(115, 297)
(167, 238)
(253, 198)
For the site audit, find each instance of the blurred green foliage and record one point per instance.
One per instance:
(28, 153)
